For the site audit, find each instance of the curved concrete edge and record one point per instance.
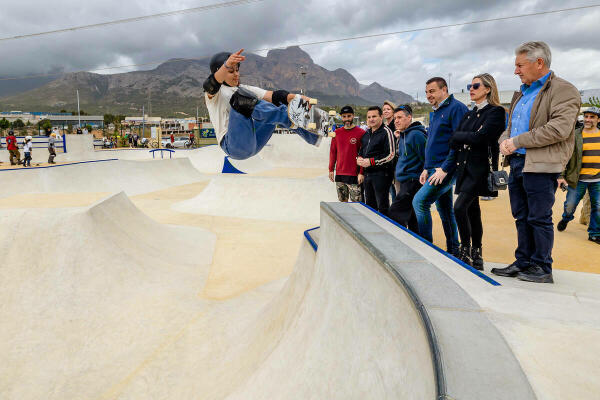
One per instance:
(471, 358)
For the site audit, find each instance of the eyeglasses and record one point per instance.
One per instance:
(474, 86)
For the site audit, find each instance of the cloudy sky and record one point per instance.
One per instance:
(402, 62)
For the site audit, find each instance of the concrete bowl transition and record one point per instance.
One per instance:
(128, 277)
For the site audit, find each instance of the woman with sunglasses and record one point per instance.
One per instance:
(474, 141)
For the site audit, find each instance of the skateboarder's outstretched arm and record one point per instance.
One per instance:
(229, 73)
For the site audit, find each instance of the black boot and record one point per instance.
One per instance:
(464, 254)
(476, 257)
(244, 101)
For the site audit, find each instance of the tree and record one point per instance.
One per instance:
(4, 124)
(594, 101)
(109, 119)
(45, 125)
(18, 124)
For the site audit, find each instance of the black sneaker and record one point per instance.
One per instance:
(595, 239)
(536, 274)
(562, 225)
(477, 259)
(464, 255)
(511, 271)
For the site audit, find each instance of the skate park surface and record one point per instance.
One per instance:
(126, 277)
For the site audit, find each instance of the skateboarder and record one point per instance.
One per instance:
(13, 149)
(27, 148)
(51, 148)
(245, 116)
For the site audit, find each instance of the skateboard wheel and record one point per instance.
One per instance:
(312, 101)
(312, 125)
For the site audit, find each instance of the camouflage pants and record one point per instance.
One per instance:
(15, 157)
(345, 191)
(586, 210)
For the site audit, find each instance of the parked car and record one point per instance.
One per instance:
(182, 142)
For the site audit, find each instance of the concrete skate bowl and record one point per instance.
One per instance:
(100, 176)
(106, 318)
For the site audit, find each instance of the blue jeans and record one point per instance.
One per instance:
(531, 200)
(245, 137)
(441, 195)
(574, 196)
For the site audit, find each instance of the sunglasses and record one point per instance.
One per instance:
(474, 86)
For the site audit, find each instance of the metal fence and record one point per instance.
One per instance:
(39, 142)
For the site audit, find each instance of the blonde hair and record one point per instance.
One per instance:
(389, 103)
(489, 82)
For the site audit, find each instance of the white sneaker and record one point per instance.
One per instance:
(298, 112)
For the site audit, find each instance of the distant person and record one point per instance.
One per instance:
(135, 140)
(27, 149)
(437, 176)
(538, 142)
(376, 157)
(13, 148)
(343, 152)
(474, 140)
(172, 139)
(411, 159)
(245, 116)
(79, 131)
(364, 126)
(130, 140)
(85, 131)
(582, 174)
(51, 148)
(192, 139)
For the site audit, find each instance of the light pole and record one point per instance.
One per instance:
(78, 111)
(303, 75)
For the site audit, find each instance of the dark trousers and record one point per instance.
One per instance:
(531, 200)
(402, 210)
(468, 219)
(377, 191)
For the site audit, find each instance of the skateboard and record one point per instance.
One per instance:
(306, 115)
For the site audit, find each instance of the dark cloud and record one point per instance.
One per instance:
(401, 62)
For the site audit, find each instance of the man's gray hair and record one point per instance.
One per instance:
(535, 50)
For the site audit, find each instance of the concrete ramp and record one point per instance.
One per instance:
(133, 177)
(88, 291)
(211, 159)
(242, 196)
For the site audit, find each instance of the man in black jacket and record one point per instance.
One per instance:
(376, 159)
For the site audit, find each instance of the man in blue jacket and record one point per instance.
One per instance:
(437, 176)
(411, 159)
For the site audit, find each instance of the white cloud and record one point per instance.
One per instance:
(401, 62)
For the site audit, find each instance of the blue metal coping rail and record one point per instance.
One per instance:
(58, 166)
(162, 152)
(311, 241)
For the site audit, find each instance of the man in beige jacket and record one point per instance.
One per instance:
(538, 143)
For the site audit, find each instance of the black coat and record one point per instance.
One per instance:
(474, 140)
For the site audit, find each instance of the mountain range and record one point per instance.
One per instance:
(174, 88)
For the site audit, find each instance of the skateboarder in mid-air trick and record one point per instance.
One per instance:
(245, 116)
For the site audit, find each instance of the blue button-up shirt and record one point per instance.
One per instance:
(522, 112)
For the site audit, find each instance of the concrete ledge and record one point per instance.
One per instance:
(471, 358)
